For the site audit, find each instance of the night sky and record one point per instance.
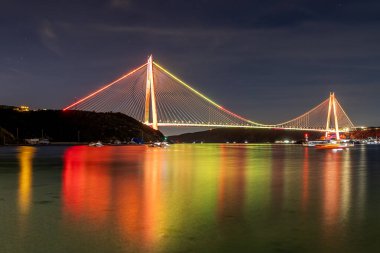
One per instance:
(266, 60)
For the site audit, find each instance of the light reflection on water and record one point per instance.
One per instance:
(25, 157)
(200, 198)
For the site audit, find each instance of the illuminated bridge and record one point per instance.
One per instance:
(156, 97)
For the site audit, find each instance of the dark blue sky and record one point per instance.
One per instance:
(266, 60)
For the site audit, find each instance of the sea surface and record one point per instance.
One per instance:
(189, 198)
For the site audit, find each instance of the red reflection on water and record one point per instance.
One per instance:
(97, 180)
(231, 183)
(332, 190)
(86, 185)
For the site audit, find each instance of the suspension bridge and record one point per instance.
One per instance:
(153, 95)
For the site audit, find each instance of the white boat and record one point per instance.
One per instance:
(44, 141)
(312, 143)
(37, 141)
(96, 144)
(335, 144)
(159, 144)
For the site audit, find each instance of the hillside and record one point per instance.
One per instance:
(71, 126)
(369, 132)
(240, 135)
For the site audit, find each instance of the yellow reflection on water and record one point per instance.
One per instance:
(258, 177)
(278, 181)
(231, 183)
(25, 157)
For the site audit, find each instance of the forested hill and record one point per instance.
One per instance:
(241, 135)
(71, 126)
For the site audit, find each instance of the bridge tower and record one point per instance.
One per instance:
(332, 106)
(150, 96)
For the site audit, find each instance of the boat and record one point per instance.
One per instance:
(371, 141)
(312, 143)
(334, 145)
(159, 144)
(37, 141)
(308, 143)
(96, 144)
(328, 143)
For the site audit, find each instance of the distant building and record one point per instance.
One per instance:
(22, 108)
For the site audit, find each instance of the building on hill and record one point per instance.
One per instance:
(22, 108)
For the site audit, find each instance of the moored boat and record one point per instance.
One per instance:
(96, 144)
(334, 145)
(159, 144)
(312, 143)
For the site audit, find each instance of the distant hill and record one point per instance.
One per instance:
(69, 126)
(241, 135)
(368, 132)
(8, 107)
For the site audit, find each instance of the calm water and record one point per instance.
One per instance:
(189, 198)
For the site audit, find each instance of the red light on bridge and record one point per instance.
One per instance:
(105, 87)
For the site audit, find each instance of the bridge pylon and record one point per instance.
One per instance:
(150, 96)
(332, 107)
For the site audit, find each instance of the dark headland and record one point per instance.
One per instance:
(241, 135)
(71, 126)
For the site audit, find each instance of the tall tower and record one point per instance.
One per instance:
(150, 96)
(332, 106)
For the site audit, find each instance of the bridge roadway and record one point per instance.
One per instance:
(274, 127)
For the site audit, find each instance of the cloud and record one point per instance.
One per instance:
(155, 30)
(120, 4)
(47, 30)
(308, 40)
(49, 37)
